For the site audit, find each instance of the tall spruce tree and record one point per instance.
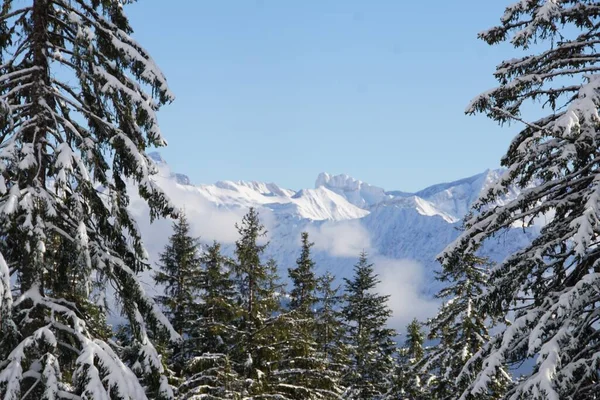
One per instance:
(461, 327)
(302, 370)
(330, 329)
(75, 121)
(372, 344)
(179, 274)
(258, 325)
(304, 281)
(210, 372)
(549, 289)
(408, 381)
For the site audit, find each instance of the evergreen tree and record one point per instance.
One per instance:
(209, 373)
(408, 379)
(302, 371)
(461, 329)
(259, 325)
(330, 328)
(372, 346)
(304, 281)
(548, 290)
(415, 340)
(217, 309)
(74, 125)
(178, 275)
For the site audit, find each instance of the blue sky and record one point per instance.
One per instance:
(278, 91)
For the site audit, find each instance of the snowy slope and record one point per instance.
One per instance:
(403, 232)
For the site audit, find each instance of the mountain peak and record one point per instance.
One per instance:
(357, 192)
(455, 198)
(341, 181)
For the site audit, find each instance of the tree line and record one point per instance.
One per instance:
(245, 336)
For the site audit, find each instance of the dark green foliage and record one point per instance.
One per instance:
(414, 341)
(461, 327)
(209, 372)
(179, 275)
(304, 282)
(409, 381)
(75, 123)
(259, 324)
(303, 370)
(547, 290)
(211, 376)
(371, 343)
(217, 308)
(330, 329)
(251, 274)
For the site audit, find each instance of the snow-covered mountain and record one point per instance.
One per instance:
(403, 232)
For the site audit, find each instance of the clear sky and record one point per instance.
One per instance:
(280, 90)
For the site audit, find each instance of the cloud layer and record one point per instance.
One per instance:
(404, 281)
(340, 239)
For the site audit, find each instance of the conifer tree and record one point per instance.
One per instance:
(179, 275)
(210, 372)
(371, 343)
(408, 380)
(462, 330)
(303, 371)
(75, 121)
(548, 290)
(304, 281)
(255, 350)
(330, 328)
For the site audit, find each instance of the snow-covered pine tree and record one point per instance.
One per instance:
(549, 289)
(302, 370)
(304, 281)
(209, 373)
(461, 327)
(408, 380)
(330, 329)
(372, 345)
(259, 326)
(179, 277)
(78, 98)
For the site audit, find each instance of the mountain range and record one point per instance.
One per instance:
(402, 232)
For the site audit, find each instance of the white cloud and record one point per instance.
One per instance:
(404, 281)
(340, 239)
(207, 220)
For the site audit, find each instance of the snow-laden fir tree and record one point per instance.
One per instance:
(549, 290)
(209, 373)
(409, 382)
(78, 98)
(372, 345)
(178, 277)
(259, 326)
(330, 329)
(303, 370)
(461, 327)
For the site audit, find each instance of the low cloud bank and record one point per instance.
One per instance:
(404, 281)
(340, 239)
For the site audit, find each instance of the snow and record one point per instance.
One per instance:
(401, 226)
(11, 203)
(359, 193)
(5, 293)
